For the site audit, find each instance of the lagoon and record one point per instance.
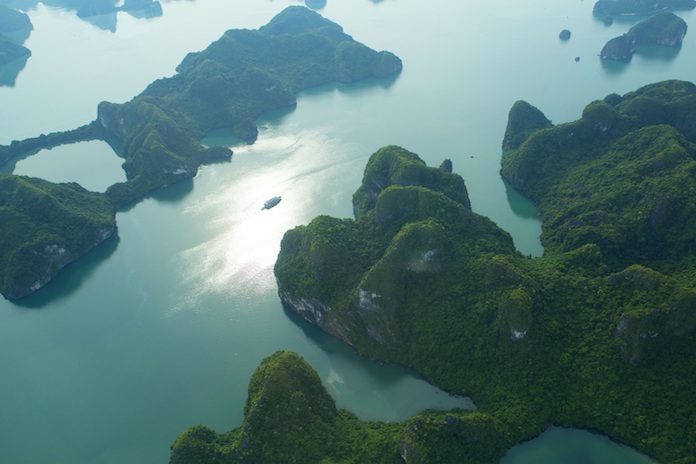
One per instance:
(161, 328)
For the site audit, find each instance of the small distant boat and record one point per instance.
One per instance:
(271, 203)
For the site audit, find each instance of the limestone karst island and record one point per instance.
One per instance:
(597, 333)
(228, 85)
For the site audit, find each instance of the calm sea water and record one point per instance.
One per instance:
(161, 328)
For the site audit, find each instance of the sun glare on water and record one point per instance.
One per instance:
(244, 238)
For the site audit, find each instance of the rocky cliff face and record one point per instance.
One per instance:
(656, 312)
(523, 120)
(364, 280)
(393, 165)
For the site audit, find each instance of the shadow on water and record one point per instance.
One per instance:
(223, 137)
(657, 52)
(329, 344)
(355, 87)
(102, 14)
(105, 22)
(614, 67)
(20, 35)
(71, 277)
(10, 71)
(572, 446)
(10, 165)
(341, 353)
(276, 117)
(645, 52)
(173, 193)
(520, 205)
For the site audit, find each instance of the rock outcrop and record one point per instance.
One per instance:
(523, 120)
(396, 166)
(668, 311)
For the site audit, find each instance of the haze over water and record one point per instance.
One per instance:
(161, 328)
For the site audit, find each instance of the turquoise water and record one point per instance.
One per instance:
(91, 164)
(161, 328)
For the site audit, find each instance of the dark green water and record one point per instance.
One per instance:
(161, 328)
(570, 446)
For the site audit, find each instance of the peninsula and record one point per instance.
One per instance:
(228, 85)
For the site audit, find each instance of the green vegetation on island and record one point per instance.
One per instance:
(289, 417)
(45, 226)
(598, 333)
(665, 29)
(609, 8)
(621, 177)
(228, 85)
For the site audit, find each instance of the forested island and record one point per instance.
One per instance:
(665, 29)
(228, 85)
(45, 226)
(609, 8)
(597, 334)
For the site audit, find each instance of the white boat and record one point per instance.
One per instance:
(271, 203)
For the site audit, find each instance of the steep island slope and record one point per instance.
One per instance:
(45, 226)
(289, 417)
(598, 333)
(574, 338)
(622, 177)
(665, 29)
(227, 85)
